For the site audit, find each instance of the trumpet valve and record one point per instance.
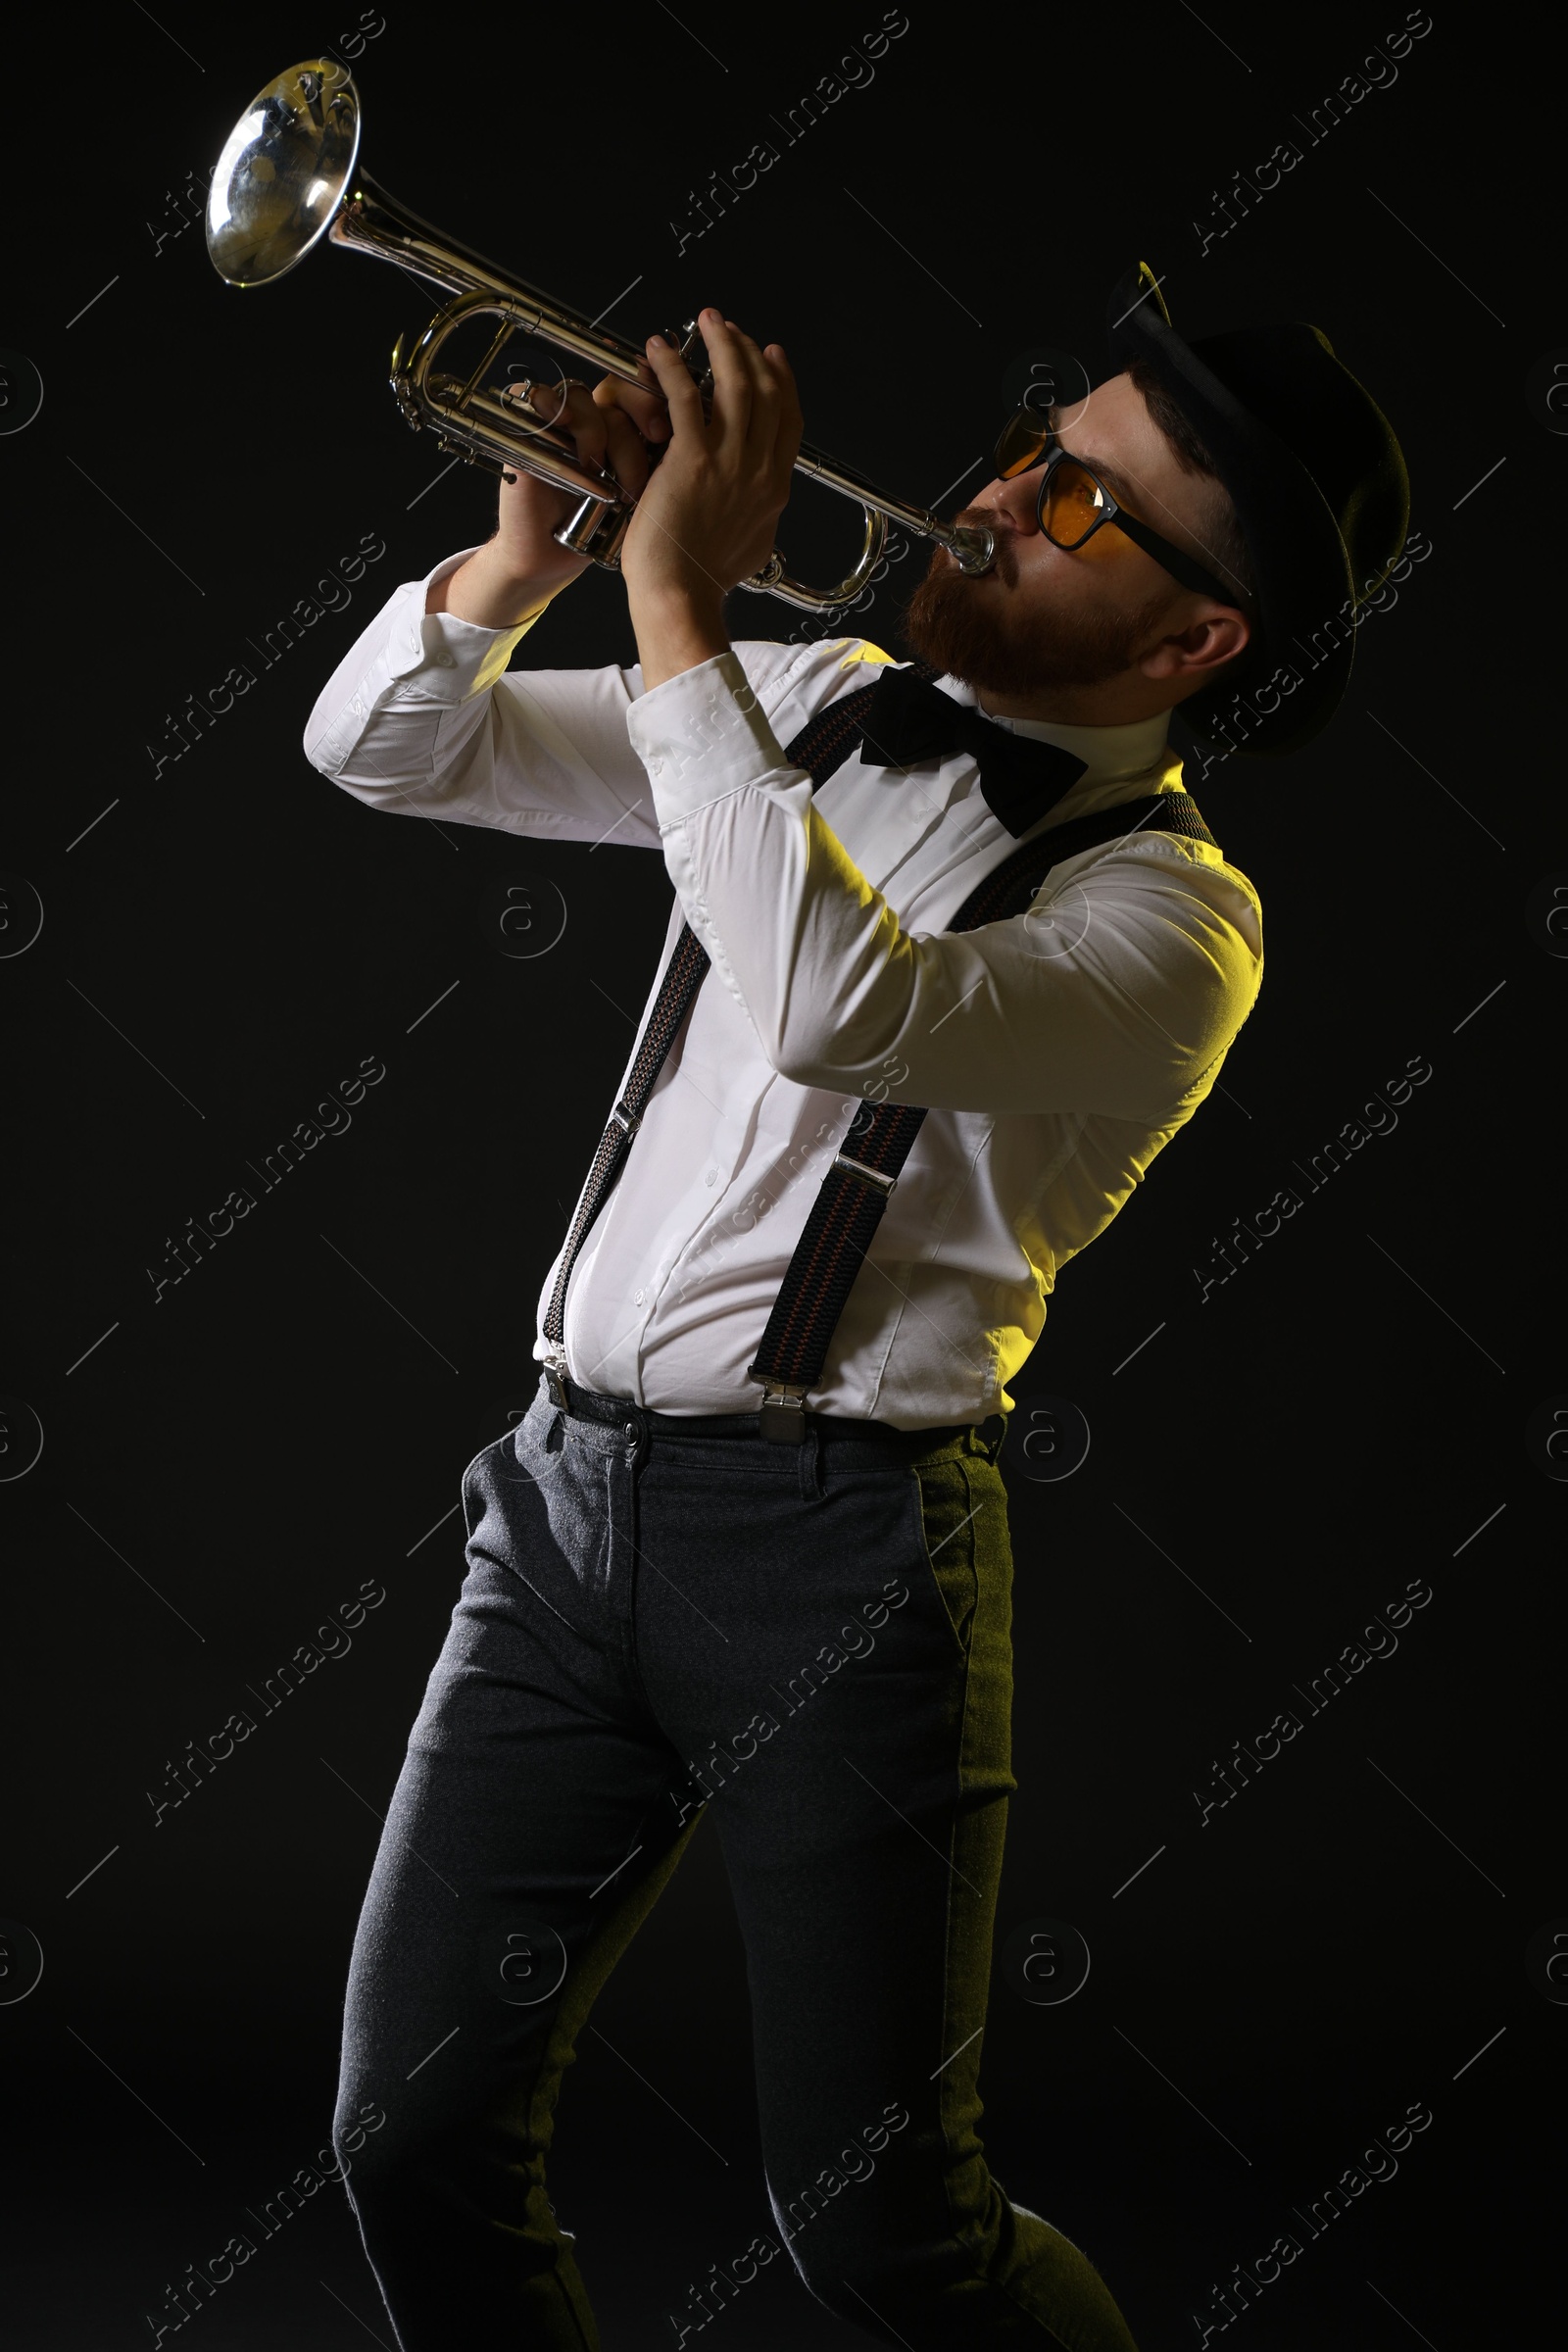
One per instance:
(596, 530)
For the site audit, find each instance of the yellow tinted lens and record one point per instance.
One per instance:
(1020, 444)
(1074, 505)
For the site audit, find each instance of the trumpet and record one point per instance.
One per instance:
(290, 178)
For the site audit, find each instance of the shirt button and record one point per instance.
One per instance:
(446, 661)
(710, 1176)
(638, 1296)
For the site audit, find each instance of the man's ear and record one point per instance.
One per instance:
(1203, 646)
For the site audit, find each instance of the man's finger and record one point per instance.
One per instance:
(678, 385)
(732, 379)
(789, 423)
(760, 373)
(784, 377)
(790, 418)
(628, 451)
(644, 404)
(567, 407)
(765, 442)
(765, 377)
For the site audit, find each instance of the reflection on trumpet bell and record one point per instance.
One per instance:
(290, 178)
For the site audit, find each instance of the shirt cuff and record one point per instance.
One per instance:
(440, 658)
(702, 734)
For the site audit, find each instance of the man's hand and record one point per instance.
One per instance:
(707, 517)
(515, 574)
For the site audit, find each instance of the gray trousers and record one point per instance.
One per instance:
(665, 1618)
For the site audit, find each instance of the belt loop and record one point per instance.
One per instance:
(992, 1448)
(811, 1462)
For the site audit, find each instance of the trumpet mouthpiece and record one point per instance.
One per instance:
(974, 548)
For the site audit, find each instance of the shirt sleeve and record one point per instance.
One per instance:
(422, 716)
(1114, 995)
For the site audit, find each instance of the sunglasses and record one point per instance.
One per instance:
(1074, 503)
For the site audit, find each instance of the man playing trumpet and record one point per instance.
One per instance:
(792, 1608)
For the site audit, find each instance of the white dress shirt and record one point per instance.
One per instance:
(1056, 1053)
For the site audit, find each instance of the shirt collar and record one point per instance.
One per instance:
(1116, 759)
(1111, 754)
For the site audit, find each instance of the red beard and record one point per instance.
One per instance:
(973, 633)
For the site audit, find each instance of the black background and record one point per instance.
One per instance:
(233, 935)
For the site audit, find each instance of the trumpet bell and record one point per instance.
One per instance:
(283, 171)
(291, 178)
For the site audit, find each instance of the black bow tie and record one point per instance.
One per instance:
(907, 721)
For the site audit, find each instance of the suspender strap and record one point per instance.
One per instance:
(680, 984)
(856, 1190)
(826, 741)
(821, 746)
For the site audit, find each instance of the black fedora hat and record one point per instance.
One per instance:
(1320, 490)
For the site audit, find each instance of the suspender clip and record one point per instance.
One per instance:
(782, 1413)
(887, 1185)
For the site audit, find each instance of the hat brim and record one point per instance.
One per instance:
(1305, 590)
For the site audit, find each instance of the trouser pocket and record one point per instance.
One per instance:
(947, 1513)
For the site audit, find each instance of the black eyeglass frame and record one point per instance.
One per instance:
(1181, 567)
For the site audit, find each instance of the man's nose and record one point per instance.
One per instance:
(1014, 502)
